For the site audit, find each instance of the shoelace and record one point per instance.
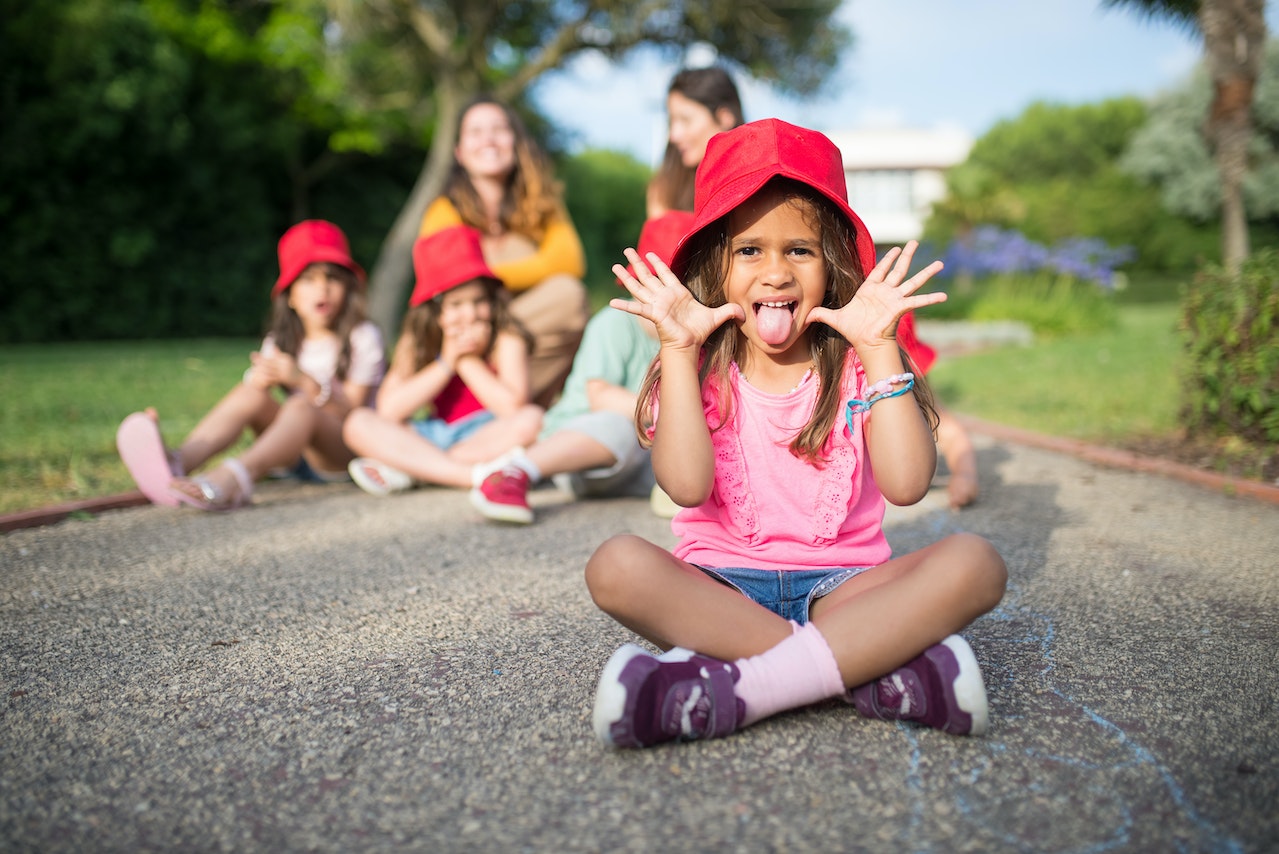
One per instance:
(897, 697)
(689, 711)
(506, 483)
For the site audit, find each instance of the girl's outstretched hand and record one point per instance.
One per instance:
(682, 322)
(871, 316)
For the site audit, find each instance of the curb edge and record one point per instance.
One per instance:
(1115, 458)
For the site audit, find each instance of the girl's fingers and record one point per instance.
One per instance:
(885, 264)
(628, 306)
(917, 281)
(726, 312)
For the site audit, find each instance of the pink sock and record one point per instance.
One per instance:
(798, 671)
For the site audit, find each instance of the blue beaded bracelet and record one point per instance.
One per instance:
(857, 407)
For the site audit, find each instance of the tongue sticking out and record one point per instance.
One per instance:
(773, 324)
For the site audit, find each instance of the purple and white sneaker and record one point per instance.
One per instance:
(644, 700)
(941, 688)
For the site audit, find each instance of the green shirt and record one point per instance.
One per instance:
(616, 349)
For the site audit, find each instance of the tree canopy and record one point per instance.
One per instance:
(1053, 174)
(1170, 151)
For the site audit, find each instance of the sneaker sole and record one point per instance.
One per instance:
(968, 687)
(500, 512)
(611, 696)
(393, 480)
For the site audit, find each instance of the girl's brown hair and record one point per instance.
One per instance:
(533, 197)
(422, 324)
(705, 277)
(286, 327)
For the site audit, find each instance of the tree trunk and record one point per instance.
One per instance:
(1234, 34)
(392, 273)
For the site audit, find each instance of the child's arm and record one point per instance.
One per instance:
(602, 395)
(405, 391)
(683, 459)
(504, 387)
(366, 369)
(903, 454)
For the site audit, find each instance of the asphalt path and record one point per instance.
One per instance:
(328, 671)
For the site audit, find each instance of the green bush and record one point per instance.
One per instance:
(143, 185)
(1051, 304)
(1231, 327)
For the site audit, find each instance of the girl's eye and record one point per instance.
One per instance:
(748, 250)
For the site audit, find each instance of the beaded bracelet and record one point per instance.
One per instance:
(881, 390)
(884, 386)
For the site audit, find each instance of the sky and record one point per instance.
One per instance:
(914, 64)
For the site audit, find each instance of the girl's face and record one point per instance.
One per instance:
(692, 125)
(464, 307)
(317, 296)
(486, 142)
(776, 272)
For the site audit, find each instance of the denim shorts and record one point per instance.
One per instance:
(445, 434)
(790, 593)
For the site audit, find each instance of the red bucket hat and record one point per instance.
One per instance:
(661, 234)
(446, 259)
(310, 242)
(740, 161)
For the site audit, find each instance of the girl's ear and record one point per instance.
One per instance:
(725, 119)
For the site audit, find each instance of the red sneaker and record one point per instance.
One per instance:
(503, 496)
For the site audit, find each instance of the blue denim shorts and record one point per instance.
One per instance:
(790, 593)
(444, 435)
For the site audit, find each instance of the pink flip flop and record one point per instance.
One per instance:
(142, 449)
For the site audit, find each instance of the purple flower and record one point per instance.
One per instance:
(990, 250)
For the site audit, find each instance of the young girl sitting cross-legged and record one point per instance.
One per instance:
(782, 417)
(321, 359)
(457, 392)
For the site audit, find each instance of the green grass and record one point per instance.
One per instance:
(63, 403)
(1105, 386)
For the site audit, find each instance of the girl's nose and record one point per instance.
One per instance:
(775, 271)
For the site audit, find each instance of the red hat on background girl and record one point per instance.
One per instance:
(448, 258)
(661, 234)
(740, 161)
(312, 241)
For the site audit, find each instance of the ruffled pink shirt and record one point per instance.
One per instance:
(772, 510)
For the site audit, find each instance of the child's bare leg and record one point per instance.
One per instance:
(243, 406)
(961, 459)
(672, 603)
(498, 436)
(569, 451)
(283, 440)
(886, 616)
(279, 444)
(370, 435)
(327, 451)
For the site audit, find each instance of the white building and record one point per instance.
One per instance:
(895, 175)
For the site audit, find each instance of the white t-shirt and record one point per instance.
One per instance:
(318, 359)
